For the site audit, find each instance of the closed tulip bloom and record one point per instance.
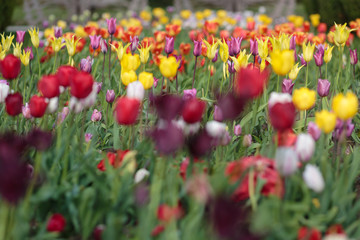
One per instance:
(20, 36)
(345, 106)
(341, 34)
(308, 51)
(286, 161)
(318, 59)
(110, 96)
(86, 64)
(215, 129)
(58, 32)
(34, 35)
(237, 130)
(353, 57)
(314, 130)
(26, 111)
(287, 86)
(17, 49)
(193, 110)
(168, 66)
(53, 104)
(4, 90)
(235, 45)
(304, 98)
(95, 41)
(126, 110)
(315, 19)
(281, 111)
(13, 104)
(303, 62)
(282, 61)
(49, 86)
(65, 74)
(111, 24)
(130, 62)
(254, 47)
(323, 87)
(10, 67)
(304, 147)
(328, 54)
(81, 85)
(25, 58)
(128, 77)
(56, 223)
(313, 178)
(169, 45)
(295, 71)
(135, 90)
(37, 106)
(263, 48)
(292, 43)
(147, 80)
(88, 137)
(325, 120)
(197, 48)
(189, 93)
(29, 49)
(224, 51)
(218, 115)
(134, 42)
(247, 140)
(96, 116)
(103, 46)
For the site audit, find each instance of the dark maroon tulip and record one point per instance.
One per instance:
(201, 144)
(14, 104)
(168, 106)
(168, 138)
(10, 67)
(231, 106)
(99, 229)
(39, 139)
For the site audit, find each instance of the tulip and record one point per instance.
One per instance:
(103, 46)
(49, 85)
(134, 42)
(304, 98)
(282, 61)
(295, 71)
(315, 19)
(304, 147)
(216, 56)
(144, 54)
(95, 41)
(345, 106)
(88, 137)
(303, 62)
(128, 77)
(247, 140)
(29, 49)
(126, 110)
(263, 49)
(37, 106)
(325, 120)
(129, 61)
(341, 127)
(189, 93)
(26, 111)
(234, 47)
(323, 87)
(10, 67)
(86, 64)
(241, 61)
(110, 96)
(218, 116)
(71, 45)
(197, 48)
(292, 45)
(193, 110)
(224, 51)
(313, 178)
(4, 90)
(169, 45)
(305, 233)
(254, 47)
(199, 188)
(168, 66)
(65, 75)
(250, 82)
(314, 131)
(286, 161)
(341, 34)
(58, 32)
(211, 49)
(281, 111)
(25, 58)
(17, 49)
(81, 85)
(111, 24)
(6, 42)
(20, 36)
(318, 59)
(237, 130)
(168, 137)
(34, 35)
(135, 90)
(353, 57)
(328, 54)
(140, 175)
(147, 80)
(13, 104)
(53, 104)
(96, 116)
(287, 86)
(308, 51)
(56, 223)
(121, 50)
(215, 129)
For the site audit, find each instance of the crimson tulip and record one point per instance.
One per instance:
(282, 115)
(126, 110)
(49, 85)
(193, 110)
(81, 85)
(65, 74)
(37, 106)
(250, 82)
(14, 104)
(56, 223)
(10, 67)
(305, 233)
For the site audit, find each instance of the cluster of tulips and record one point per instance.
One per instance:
(180, 126)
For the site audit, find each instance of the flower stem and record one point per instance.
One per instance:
(339, 71)
(278, 83)
(208, 83)
(307, 75)
(38, 58)
(110, 58)
(54, 62)
(194, 73)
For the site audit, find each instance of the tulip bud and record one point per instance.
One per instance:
(281, 111)
(146, 79)
(103, 46)
(96, 116)
(216, 56)
(81, 85)
(88, 137)
(169, 45)
(141, 174)
(86, 64)
(95, 41)
(314, 130)
(13, 103)
(156, 81)
(20, 36)
(52, 105)
(29, 49)
(353, 57)
(37, 106)
(215, 129)
(110, 96)
(58, 32)
(135, 90)
(287, 86)
(247, 140)
(56, 223)
(4, 90)
(10, 67)
(254, 47)
(293, 43)
(26, 111)
(65, 74)
(134, 43)
(303, 62)
(231, 67)
(193, 110)
(218, 116)
(237, 130)
(286, 161)
(126, 110)
(323, 87)
(99, 229)
(111, 24)
(189, 93)
(305, 147)
(49, 85)
(318, 59)
(234, 47)
(197, 48)
(226, 139)
(313, 178)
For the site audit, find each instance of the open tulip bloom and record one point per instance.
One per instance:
(202, 130)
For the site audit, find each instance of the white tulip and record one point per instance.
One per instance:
(4, 91)
(313, 178)
(215, 129)
(141, 174)
(305, 146)
(286, 161)
(135, 90)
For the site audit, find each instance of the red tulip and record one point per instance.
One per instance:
(49, 86)
(81, 85)
(305, 233)
(65, 74)
(126, 110)
(10, 67)
(193, 110)
(250, 82)
(282, 115)
(56, 223)
(14, 104)
(37, 106)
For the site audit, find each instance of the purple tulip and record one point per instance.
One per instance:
(320, 49)
(216, 56)
(353, 57)
(189, 93)
(20, 36)
(72, 26)
(98, 86)
(169, 45)
(218, 116)
(86, 64)
(254, 47)
(287, 86)
(197, 48)
(103, 46)
(235, 45)
(156, 81)
(58, 32)
(323, 87)
(231, 67)
(303, 62)
(95, 41)
(111, 23)
(110, 96)
(339, 129)
(178, 60)
(96, 116)
(318, 59)
(134, 43)
(45, 24)
(295, 56)
(237, 130)
(88, 137)
(41, 44)
(27, 49)
(26, 111)
(314, 130)
(293, 43)
(168, 138)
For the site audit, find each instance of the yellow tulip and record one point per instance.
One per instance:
(144, 54)
(308, 51)
(304, 98)
(168, 66)
(265, 19)
(120, 50)
(61, 24)
(282, 61)
(284, 40)
(199, 16)
(345, 107)
(71, 45)
(17, 49)
(128, 77)
(298, 21)
(80, 32)
(341, 34)
(241, 61)
(25, 57)
(295, 71)
(2, 54)
(130, 62)
(328, 54)
(147, 79)
(207, 13)
(325, 120)
(164, 20)
(223, 51)
(49, 32)
(263, 48)
(315, 19)
(158, 12)
(34, 35)
(57, 45)
(185, 14)
(145, 15)
(275, 42)
(6, 42)
(211, 49)
(221, 13)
